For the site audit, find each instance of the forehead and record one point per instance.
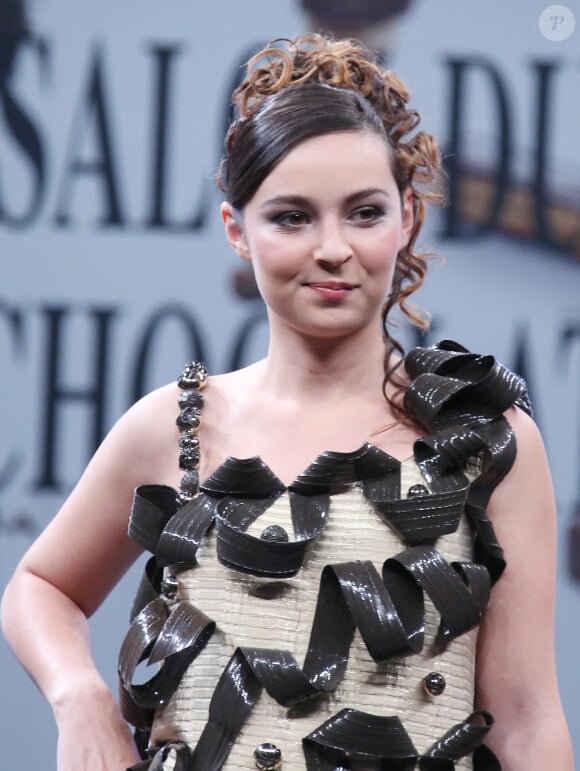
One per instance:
(332, 162)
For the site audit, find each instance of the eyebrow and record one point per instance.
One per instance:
(299, 200)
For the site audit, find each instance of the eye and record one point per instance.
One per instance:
(367, 215)
(291, 219)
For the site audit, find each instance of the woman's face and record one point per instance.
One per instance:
(323, 232)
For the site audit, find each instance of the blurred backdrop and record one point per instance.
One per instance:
(115, 271)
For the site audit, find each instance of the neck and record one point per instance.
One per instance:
(297, 364)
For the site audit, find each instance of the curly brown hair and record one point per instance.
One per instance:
(311, 85)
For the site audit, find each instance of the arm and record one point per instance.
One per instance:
(68, 572)
(516, 672)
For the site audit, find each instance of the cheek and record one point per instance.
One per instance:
(383, 254)
(271, 268)
(274, 257)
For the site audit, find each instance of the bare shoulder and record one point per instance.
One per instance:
(163, 401)
(526, 429)
(529, 477)
(145, 438)
(151, 422)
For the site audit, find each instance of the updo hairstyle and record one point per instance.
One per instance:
(297, 89)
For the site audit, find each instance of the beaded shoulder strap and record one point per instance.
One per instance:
(192, 382)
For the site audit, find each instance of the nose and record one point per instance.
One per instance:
(332, 248)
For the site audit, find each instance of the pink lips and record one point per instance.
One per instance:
(333, 290)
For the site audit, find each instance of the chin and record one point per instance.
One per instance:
(331, 331)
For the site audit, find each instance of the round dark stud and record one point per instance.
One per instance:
(268, 757)
(434, 684)
(274, 533)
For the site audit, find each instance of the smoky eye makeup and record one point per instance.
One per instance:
(290, 219)
(363, 207)
(368, 213)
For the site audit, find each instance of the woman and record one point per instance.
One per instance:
(313, 609)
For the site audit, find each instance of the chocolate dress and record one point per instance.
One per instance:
(332, 624)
